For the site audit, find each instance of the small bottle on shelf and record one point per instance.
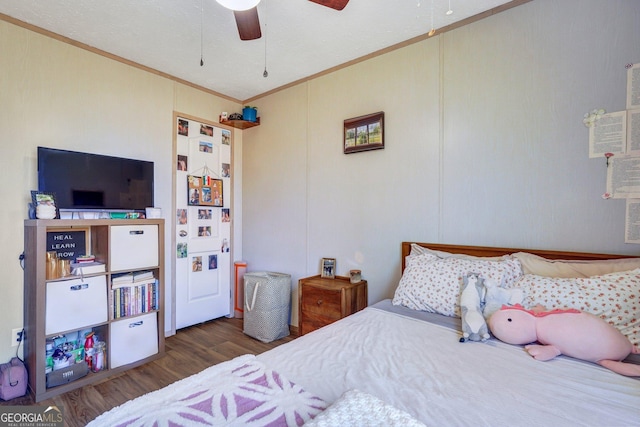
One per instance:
(99, 356)
(88, 349)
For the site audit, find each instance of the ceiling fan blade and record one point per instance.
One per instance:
(333, 4)
(248, 24)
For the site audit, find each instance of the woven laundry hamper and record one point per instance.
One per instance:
(267, 303)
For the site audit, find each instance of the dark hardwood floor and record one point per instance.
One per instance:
(188, 352)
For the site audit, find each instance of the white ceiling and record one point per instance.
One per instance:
(302, 38)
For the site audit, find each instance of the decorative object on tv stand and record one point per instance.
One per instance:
(153, 213)
(250, 113)
(45, 205)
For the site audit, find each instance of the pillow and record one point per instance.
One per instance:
(433, 284)
(420, 250)
(534, 264)
(357, 408)
(613, 297)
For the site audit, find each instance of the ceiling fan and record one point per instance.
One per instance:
(246, 13)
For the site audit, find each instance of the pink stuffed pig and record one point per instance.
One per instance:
(570, 332)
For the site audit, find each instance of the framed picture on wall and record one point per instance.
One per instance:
(364, 133)
(204, 191)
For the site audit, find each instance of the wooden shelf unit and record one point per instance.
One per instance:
(242, 124)
(99, 240)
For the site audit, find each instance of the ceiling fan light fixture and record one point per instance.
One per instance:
(239, 4)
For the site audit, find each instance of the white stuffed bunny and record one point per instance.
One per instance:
(474, 327)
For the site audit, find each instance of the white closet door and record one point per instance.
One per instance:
(203, 264)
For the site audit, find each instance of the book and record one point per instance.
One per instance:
(132, 284)
(132, 278)
(134, 299)
(79, 269)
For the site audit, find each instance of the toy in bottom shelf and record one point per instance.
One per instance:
(64, 351)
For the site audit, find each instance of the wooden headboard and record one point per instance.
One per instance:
(487, 251)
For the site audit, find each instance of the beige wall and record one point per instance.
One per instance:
(484, 146)
(53, 94)
(484, 143)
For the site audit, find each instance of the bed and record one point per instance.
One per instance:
(392, 364)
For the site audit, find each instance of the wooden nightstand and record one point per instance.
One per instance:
(323, 301)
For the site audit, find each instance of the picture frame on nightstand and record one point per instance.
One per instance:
(328, 268)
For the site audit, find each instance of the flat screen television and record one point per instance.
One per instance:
(93, 182)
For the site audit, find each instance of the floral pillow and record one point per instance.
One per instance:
(432, 284)
(613, 297)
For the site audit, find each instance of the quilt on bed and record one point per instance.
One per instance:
(410, 364)
(240, 392)
(421, 368)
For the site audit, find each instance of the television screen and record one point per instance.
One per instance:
(84, 181)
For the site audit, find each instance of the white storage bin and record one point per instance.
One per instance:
(133, 247)
(133, 339)
(267, 305)
(75, 304)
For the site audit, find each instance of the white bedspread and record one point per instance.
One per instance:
(422, 369)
